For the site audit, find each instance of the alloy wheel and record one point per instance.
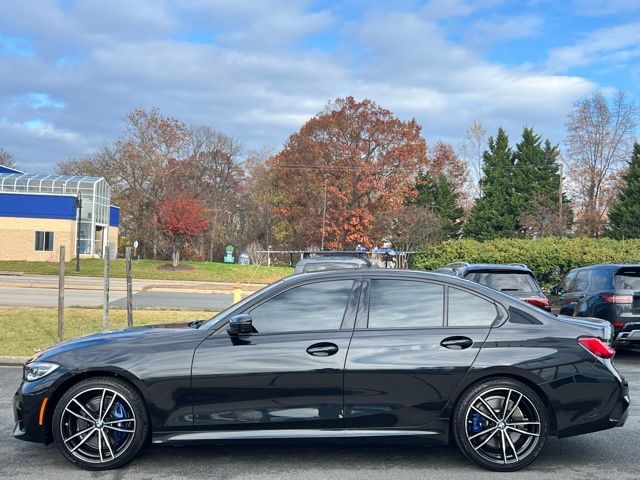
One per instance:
(97, 425)
(503, 425)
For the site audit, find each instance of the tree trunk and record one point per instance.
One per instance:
(175, 256)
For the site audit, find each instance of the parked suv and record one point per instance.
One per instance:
(610, 292)
(321, 264)
(514, 279)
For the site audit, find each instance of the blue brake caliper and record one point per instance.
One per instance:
(118, 413)
(477, 424)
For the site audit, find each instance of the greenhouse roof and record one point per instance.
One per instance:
(58, 184)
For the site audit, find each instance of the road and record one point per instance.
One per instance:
(41, 291)
(175, 299)
(612, 454)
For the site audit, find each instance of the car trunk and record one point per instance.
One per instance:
(590, 326)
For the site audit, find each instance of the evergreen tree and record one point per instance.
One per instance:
(439, 194)
(536, 180)
(495, 213)
(624, 217)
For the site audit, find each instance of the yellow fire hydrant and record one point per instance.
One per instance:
(237, 292)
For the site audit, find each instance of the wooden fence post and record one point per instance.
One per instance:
(61, 296)
(129, 287)
(105, 301)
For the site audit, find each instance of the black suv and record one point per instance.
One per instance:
(610, 292)
(514, 279)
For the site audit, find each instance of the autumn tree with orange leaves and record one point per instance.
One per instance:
(369, 159)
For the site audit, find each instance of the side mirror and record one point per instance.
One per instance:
(555, 290)
(240, 325)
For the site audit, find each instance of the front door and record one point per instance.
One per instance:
(408, 357)
(289, 374)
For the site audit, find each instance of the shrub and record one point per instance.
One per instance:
(549, 258)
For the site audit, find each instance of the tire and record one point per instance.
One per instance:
(485, 433)
(100, 423)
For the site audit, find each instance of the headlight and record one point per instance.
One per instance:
(36, 370)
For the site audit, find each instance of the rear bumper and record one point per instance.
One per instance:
(595, 400)
(627, 339)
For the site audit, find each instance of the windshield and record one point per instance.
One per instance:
(505, 281)
(627, 280)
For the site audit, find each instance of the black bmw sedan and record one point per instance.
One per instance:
(341, 354)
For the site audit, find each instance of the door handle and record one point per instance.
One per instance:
(456, 343)
(322, 349)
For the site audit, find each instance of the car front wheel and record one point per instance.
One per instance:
(500, 424)
(100, 423)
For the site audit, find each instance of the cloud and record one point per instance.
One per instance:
(614, 45)
(606, 7)
(246, 69)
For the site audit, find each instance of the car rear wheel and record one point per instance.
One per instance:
(500, 424)
(100, 423)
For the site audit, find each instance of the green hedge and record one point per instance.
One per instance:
(549, 258)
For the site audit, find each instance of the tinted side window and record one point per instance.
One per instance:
(466, 308)
(600, 279)
(405, 303)
(582, 281)
(315, 306)
(568, 280)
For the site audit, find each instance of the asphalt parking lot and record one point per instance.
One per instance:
(612, 454)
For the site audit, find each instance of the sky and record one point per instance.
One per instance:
(258, 69)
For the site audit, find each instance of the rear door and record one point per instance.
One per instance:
(414, 342)
(576, 294)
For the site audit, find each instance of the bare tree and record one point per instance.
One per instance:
(473, 150)
(6, 159)
(599, 137)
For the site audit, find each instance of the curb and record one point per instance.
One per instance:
(13, 361)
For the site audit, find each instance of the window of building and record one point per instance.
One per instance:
(44, 242)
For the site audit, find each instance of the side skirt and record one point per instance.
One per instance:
(171, 437)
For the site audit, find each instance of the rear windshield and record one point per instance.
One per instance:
(505, 281)
(321, 267)
(627, 280)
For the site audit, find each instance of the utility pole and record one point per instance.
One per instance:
(324, 211)
(79, 207)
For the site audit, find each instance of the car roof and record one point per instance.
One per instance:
(609, 266)
(470, 267)
(393, 273)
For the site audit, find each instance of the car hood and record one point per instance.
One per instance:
(590, 326)
(125, 336)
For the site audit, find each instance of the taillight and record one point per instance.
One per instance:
(618, 324)
(539, 302)
(612, 298)
(597, 347)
